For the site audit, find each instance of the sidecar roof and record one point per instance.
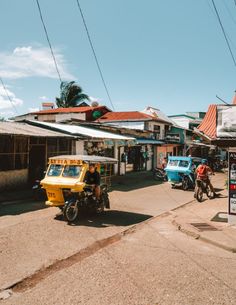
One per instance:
(83, 159)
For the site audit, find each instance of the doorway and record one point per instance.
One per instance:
(37, 162)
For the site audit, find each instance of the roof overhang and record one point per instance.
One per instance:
(149, 141)
(81, 132)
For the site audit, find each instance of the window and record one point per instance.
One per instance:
(71, 171)
(183, 163)
(173, 163)
(55, 170)
(13, 152)
(6, 144)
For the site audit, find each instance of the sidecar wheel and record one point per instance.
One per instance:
(71, 211)
(185, 184)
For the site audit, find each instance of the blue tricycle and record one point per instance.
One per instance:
(180, 171)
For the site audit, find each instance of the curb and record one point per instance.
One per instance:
(205, 239)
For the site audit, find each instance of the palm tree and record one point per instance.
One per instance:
(71, 95)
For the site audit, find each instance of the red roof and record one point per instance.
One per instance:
(208, 124)
(70, 110)
(126, 116)
(234, 100)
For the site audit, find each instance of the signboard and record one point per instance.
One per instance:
(232, 182)
(226, 121)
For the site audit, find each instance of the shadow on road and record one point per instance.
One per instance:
(21, 207)
(108, 219)
(133, 181)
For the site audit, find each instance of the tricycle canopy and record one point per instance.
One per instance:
(80, 159)
(179, 166)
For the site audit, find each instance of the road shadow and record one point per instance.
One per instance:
(107, 219)
(24, 206)
(133, 181)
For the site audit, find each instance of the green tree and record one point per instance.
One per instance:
(71, 94)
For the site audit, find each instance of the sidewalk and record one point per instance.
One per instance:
(207, 221)
(15, 195)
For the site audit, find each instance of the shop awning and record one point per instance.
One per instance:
(149, 141)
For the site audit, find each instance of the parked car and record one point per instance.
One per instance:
(181, 171)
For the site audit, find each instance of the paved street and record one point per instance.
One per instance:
(37, 239)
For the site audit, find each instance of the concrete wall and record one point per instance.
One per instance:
(13, 179)
(69, 116)
(79, 147)
(162, 128)
(150, 160)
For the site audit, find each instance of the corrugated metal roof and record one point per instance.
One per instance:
(24, 129)
(208, 124)
(70, 110)
(77, 130)
(86, 158)
(126, 116)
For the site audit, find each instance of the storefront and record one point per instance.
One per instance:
(24, 151)
(167, 150)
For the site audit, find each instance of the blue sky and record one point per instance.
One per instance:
(169, 54)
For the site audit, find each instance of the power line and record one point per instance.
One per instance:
(223, 30)
(94, 53)
(8, 96)
(49, 43)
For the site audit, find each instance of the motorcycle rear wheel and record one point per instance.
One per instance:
(71, 211)
(209, 193)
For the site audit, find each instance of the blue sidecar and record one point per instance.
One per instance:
(181, 171)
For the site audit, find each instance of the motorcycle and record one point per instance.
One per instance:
(39, 194)
(159, 174)
(202, 187)
(86, 200)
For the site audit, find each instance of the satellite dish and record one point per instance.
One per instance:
(94, 104)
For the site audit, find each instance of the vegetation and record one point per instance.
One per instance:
(71, 95)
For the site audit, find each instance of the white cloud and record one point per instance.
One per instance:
(32, 61)
(43, 98)
(7, 108)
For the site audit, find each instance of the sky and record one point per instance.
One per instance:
(169, 54)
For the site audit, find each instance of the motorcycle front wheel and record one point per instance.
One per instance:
(199, 194)
(71, 211)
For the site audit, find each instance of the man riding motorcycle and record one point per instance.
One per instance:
(92, 177)
(202, 172)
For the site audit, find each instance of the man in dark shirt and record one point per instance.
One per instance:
(92, 177)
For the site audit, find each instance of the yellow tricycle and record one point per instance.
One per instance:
(66, 187)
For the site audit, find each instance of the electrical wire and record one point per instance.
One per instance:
(48, 40)
(94, 53)
(223, 30)
(8, 96)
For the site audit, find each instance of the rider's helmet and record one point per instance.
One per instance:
(204, 161)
